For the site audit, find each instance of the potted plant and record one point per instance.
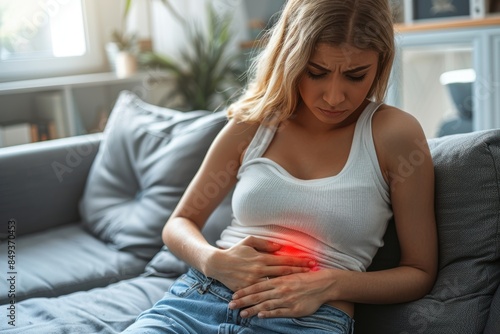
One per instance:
(207, 74)
(123, 48)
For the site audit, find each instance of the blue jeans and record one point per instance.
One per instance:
(197, 304)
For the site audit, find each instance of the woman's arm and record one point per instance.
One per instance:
(406, 162)
(245, 263)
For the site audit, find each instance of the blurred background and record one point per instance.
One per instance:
(67, 60)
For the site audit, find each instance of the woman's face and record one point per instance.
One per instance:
(336, 82)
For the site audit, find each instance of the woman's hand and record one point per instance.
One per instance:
(251, 261)
(295, 295)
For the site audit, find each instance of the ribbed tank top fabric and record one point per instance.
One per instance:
(339, 220)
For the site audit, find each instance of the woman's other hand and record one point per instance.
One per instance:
(286, 296)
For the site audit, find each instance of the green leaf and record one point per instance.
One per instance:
(128, 5)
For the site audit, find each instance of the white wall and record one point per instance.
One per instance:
(108, 18)
(167, 34)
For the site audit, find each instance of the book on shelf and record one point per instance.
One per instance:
(50, 107)
(43, 130)
(27, 132)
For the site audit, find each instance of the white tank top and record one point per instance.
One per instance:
(339, 221)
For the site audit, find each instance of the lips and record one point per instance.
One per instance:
(331, 111)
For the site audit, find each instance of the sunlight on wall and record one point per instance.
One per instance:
(67, 31)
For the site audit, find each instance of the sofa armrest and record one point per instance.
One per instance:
(42, 183)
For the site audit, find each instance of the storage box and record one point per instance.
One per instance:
(15, 134)
(432, 10)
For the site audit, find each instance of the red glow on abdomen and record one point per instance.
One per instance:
(294, 252)
(291, 251)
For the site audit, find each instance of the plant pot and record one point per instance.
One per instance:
(126, 64)
(112, 50)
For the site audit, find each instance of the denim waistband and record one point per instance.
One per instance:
(219, 289)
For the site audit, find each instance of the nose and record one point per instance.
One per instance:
(334, 93)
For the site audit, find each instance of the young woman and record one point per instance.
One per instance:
(320, 165)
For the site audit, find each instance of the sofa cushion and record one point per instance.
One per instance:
(493, 324)
(467, 201)
(147, 158)
(106, 310)
(66, 259)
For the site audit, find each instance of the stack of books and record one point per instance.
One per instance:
(49, 122)
(27, 132)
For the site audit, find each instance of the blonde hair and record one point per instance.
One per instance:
(303, 24)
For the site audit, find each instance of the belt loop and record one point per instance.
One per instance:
(205, 285)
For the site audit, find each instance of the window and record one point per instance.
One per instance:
(47, 38)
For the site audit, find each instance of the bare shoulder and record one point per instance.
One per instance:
(237, 129)
(235, 137)
(239, 132)
(395, 129)
(396, 134)
(390, 123)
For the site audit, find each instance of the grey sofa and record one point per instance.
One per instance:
(81, 219)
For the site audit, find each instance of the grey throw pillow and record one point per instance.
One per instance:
(145, 162)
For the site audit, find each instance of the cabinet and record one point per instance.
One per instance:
(425, 51)
(84, 101)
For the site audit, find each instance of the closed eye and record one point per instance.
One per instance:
(356, 78)
(315, 76)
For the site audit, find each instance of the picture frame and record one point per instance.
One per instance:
(434, 10)
(493, 6)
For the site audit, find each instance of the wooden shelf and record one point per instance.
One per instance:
(82, 98)
(425, 26)
(448, 24)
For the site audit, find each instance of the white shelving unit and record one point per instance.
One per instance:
(84, 97)
(440, 47)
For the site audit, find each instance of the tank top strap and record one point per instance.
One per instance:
(260, 142)
(365, 119)
(365, 140)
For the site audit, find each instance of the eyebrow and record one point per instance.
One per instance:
(349, 71)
